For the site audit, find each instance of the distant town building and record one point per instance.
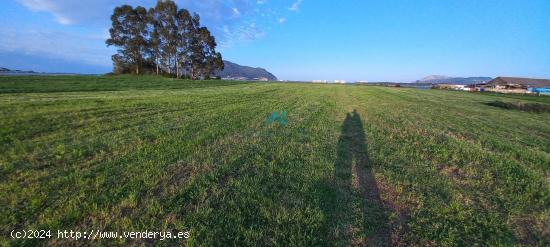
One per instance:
(339, 81)
(235, 78)
(319, 81)
(516, 82)
(517, 85)
(504, 85)
(452, 87)
(477, 87)
(242, 78)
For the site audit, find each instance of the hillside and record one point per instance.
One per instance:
(239, 72)
(79, 83)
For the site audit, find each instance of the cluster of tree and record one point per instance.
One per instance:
(162, 40)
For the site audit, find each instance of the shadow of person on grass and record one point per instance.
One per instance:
(354, 212)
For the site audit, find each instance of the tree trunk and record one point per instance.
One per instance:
(157, 62)
(168, 63)
(177, 69)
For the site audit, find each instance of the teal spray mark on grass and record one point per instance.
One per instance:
(279, 117)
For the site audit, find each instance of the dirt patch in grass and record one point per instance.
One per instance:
(533, 231)
(397, 210)
(451, 172)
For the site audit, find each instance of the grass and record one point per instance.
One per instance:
(531, 107)
(34, 84)
(354, 165)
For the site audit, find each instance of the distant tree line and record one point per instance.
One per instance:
(162, 40)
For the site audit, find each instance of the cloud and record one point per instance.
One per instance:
(87, 49)
(296, 5)
(75, 12)
(231, 22)
(236, 12)
(241, 33)
(215, 14)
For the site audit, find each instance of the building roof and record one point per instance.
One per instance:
(527, 82)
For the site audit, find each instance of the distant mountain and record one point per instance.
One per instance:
(434, 77)
(11, 72)
(239, 72)
(438, 79)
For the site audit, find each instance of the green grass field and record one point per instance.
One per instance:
(354, 165)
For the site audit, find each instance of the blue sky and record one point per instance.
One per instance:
(382, 40)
